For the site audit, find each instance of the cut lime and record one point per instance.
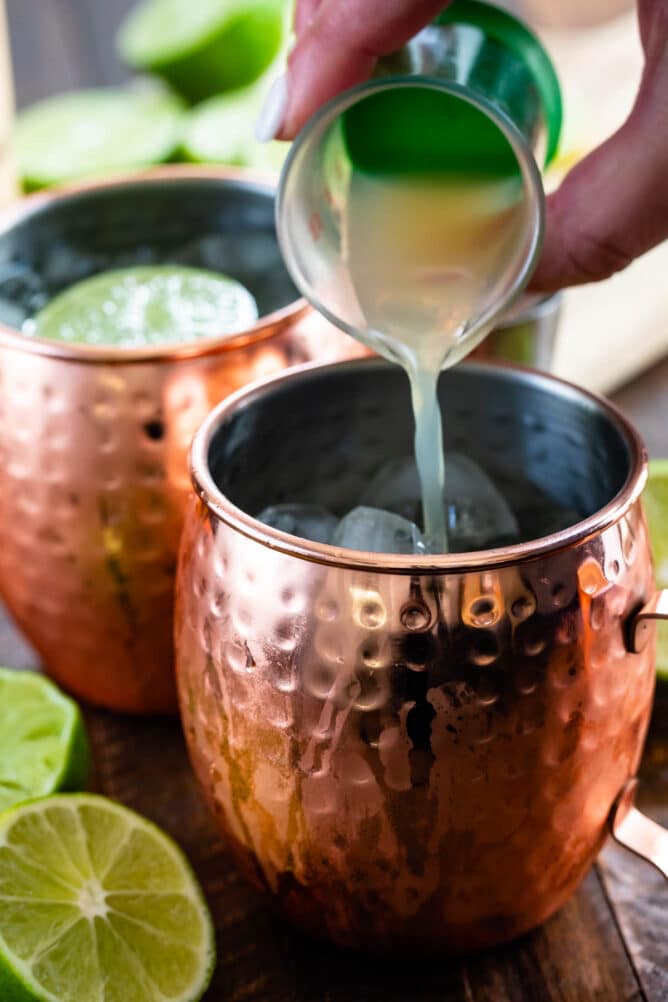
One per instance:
(203, 47)
(97, 904)
(221, 130)
(144, 306)
(43, 745)
(90, 132)
(655, 500)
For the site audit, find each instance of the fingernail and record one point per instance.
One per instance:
(272, 113)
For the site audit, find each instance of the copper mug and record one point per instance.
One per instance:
(416, 752)
(94, 440)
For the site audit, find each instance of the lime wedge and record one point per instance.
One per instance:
(97, 904)
(203, 47)
(221, 130)
(43, 746)
(144, 306)
(655, 500)
(90, 132)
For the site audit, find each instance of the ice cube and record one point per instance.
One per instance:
(396, 488)
(22, 286)
(378, 531)
(310, 521)
(12, 314)
(478, 516)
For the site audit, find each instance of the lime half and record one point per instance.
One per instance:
(203, 47)
(97, 905)
(655, 500)
(146, 306)
(43, 746)
(221, 130)
(90, 132)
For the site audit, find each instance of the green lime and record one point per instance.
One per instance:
(655, 500)
(91, 132)
(96, 903)
(221, 130)
(203, 47)
(43, 746)
(145, 306)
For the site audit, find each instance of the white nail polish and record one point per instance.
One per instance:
(272, 113)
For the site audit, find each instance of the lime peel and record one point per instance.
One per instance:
(43, 744)
(203, 47)
(655, 499)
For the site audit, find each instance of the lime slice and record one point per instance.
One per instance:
(43, 746)
(90, 132)
(221, 130)
(144, 306)
(655, 500)
(97, 904)
(203, 47)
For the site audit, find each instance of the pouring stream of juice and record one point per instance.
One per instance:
(423, 251)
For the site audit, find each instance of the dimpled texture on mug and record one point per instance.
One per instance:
(94, 483)
(414, 762)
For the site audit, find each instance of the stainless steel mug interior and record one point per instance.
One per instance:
(413, 752)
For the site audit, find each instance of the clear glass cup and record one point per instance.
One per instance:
(474, 93)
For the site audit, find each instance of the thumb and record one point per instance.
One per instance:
(340, 46)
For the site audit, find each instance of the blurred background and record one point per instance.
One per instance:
(607, 333)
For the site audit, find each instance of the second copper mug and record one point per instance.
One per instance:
(417, 752)
(94, 441)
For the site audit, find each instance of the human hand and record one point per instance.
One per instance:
(611, 208)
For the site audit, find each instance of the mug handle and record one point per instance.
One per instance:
(642, 836)
(655, 609)
(628, 826)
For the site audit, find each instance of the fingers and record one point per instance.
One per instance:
(339, 43)
(304, 14)
(610, 209)
(613, 206)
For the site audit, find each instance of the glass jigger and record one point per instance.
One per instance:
(472, 96)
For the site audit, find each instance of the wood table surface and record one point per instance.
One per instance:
(609, 943)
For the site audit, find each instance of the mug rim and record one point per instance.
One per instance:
(31, 205)
(417, 564)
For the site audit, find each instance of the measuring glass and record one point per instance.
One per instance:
(472, 96)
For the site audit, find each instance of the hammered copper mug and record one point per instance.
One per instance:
(416, 752)
(94, 440)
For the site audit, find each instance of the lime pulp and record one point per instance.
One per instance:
(221, 131)
(96, 904)
(146, 306)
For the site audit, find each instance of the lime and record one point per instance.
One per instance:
(203, 47)
(88, 132)
(144, 306)
(43, 746)
(96, 904)
(655, 500)
(221, 130)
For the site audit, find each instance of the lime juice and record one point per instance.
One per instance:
(422, 252)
